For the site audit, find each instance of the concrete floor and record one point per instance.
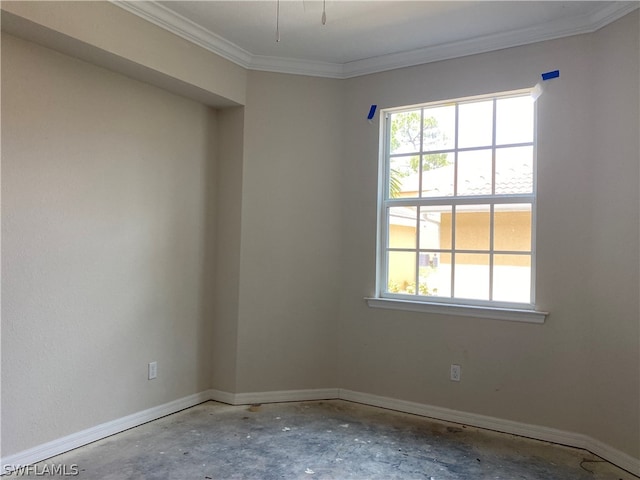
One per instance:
(331, 439)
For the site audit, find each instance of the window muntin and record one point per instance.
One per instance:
(458, 207)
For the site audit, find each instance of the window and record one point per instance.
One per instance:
(457, 203)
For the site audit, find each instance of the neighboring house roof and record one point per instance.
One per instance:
(472, 180)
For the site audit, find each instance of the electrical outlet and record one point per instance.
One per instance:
(153, 370)
(456, 371)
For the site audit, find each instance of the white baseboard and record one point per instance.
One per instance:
(84, 437)
(612, 455)
(286, 396)
(466, 418)
(275, 396)
(577, 440)
(222, 397)
(64, 444)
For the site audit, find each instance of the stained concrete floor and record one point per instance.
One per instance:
(331, 439)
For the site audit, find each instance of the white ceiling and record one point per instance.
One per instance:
(362, 37)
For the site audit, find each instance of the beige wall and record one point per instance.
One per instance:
(614, 333)
(228, 239)
(290, 257)
(537, 374)
(102, 33)
(104, 260)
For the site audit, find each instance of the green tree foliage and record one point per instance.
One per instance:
(405, 134)
(405, 137)
(405, 130)
(395, 182)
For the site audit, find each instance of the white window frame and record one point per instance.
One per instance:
(525, 312)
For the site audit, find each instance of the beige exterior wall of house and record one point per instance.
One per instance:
(402, 269)
(512, 232)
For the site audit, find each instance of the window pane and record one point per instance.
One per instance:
(401, 273)
(434, 232)
(472, 276)
(435, 274)
(402, 227)
(437, 179)
(475, 124)
(439, 128)
(474, 172)
(512, 227)
(514, 120)
(514, 170)
(403, 176)
(512, 278)
(405, 132)
(472, 227)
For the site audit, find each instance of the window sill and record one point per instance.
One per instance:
(510, 314)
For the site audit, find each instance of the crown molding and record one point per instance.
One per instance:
(297, 66)
(191, 31)
(515, 38)
(612, 12)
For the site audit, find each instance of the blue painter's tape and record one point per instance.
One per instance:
(372, 112)
(550, 75)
